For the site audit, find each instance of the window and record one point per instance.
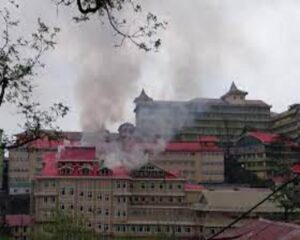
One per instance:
(99, 211)
(45, 199)
(71, 191)
(85, 171)
(62, 191)
(81, 208)
(179, 186)
(142, 185)
(62, 207)
(106, 197)
(90, 210)
(106, 212)
(99, 196)
(90, 195)
(170, 186)
(81, 194)
(152, 185)
(71, 206)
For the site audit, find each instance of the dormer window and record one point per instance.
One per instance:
(66, 170)
(85, 171)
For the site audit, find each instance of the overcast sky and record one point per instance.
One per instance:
(207, 45)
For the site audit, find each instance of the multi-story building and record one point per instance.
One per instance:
(199, 161)
(146, 201)
(225, 117)
(287, 123)
(142, 202)
(25, 161)
(267, 155)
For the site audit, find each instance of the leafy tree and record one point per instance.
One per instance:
(64, 227)
(288, 199)
(20, 59)
(116, 12)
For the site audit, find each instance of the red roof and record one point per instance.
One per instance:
(183, 147)
(296, 168)
(120, 172)
(265, 137)
(193, 187)
(78, 153)
(263, 230)
(42, 143)
(18, 220)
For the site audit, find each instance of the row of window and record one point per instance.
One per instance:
(86, 209)
(151, 229)
(89, 195)
(145, 200)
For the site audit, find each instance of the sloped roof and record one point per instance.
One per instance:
(193, 187)
(265, 137)
(234, 90)
(78, 153)
(236, 200)
(18, 220)
(143, 97)
(263, 230)
(268, 138)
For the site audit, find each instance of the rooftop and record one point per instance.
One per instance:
(263, 230)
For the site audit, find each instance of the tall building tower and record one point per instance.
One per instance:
(225, 117)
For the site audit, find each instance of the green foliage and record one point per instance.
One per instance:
(64, 227)
(144, 36)
(288, 199)
(20, 59)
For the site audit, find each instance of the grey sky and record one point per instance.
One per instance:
(207, 45)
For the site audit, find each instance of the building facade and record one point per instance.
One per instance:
(199, 161)
(267, 155)
(25, 162)
(225, 117)
(287, 123)
(142, 202)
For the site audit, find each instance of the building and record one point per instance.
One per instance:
(267, 155)
(142, 202)
(25, 161)
(226, 117)
(199, 161)
(287, 123)
(262, 229)
(18, 226)
(145, 201)
(220, 207)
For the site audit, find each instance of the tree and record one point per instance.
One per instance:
(63, 227)
(20, 59)
(143, 36)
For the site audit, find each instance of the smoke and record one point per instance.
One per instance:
(206, 45)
